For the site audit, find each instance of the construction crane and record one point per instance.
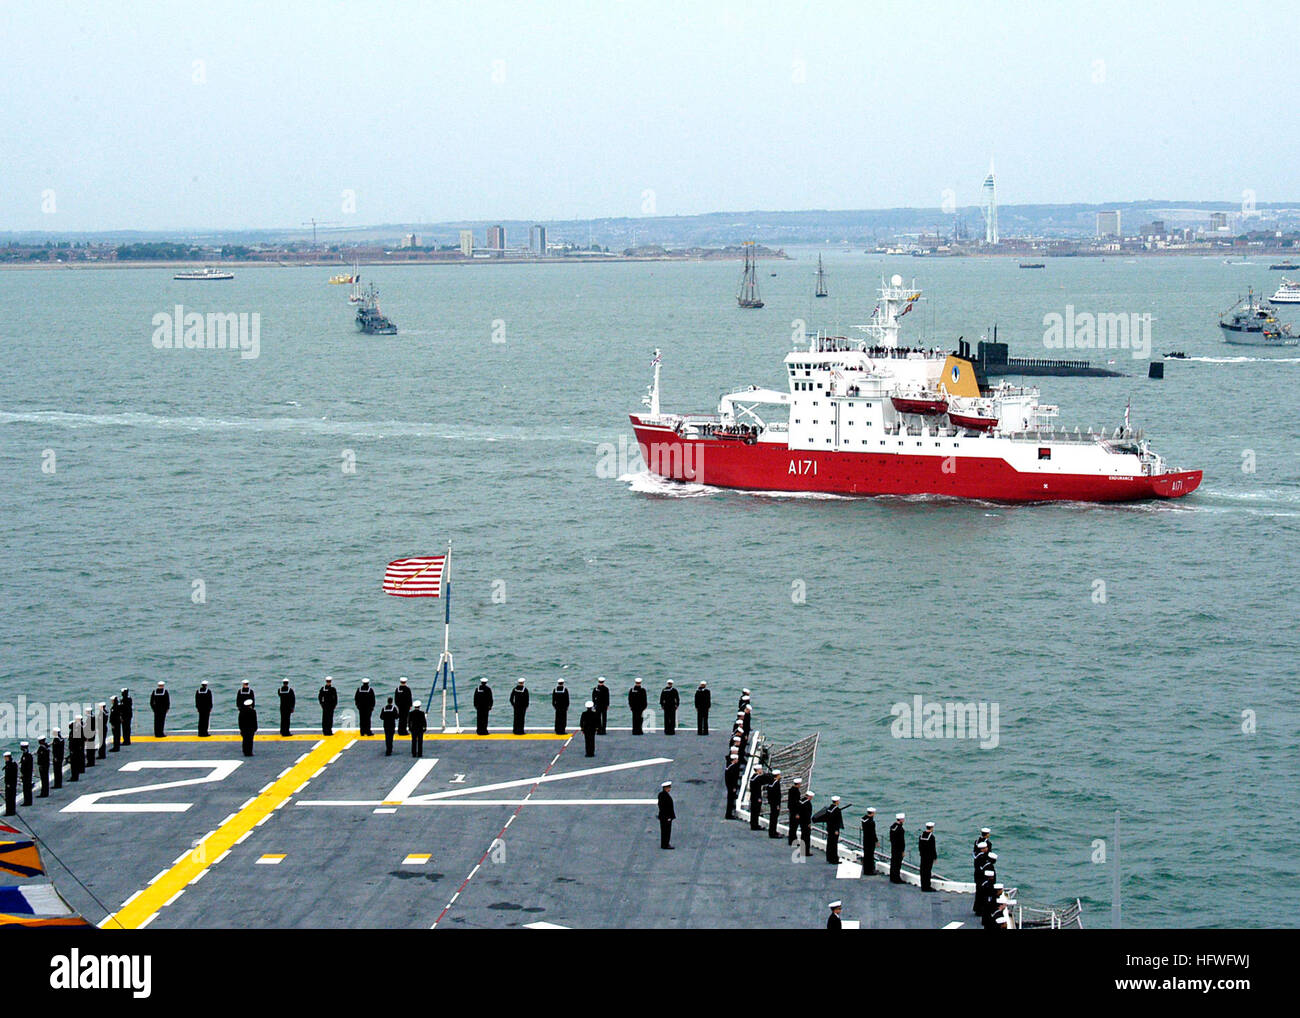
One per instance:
(313, 224)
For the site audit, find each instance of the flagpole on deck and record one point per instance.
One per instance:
(446, 664)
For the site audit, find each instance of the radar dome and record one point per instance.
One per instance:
(897, 280)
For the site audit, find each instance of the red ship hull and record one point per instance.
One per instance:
(771, 466)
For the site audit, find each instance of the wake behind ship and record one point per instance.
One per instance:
(868, 417)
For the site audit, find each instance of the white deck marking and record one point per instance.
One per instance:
(956, 925)
(269, 860)
(544, 926)
(417, 859)
(383, 808)
(848, 871)
(541, 779)
(411, 780)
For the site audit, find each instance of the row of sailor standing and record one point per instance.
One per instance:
(86, 743)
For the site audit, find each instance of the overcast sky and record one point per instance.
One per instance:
(156, 115)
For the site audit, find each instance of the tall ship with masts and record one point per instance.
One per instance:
(873, 417)
(748, 296)
(821, 279)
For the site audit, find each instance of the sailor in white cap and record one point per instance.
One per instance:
(482, 705)
(805, 822)
(126, 706)
(637, 700)
(11, 785)
(980, 861)
(560, 702)
(364, 701)
(833, 817)
(703, 700)
(589, 724)
(731, 777)
(669, 701)
(160, 703)
(247, 721)
(203, 707)
(984, 837)
(758, 782)
(928, 849)
(746, 720)
(328, 698)
(417, 723)
(666, 815)
(403, 697)
(600, 697)
(774, 804)
(101, 711)
(388, 718)
(92, 733)
(43, 767)
(738, 745)
(833, 920)
(793, 800)
(25, 771)
(984, 893)
(897, 845)
(519, 703)
(287, 698)
(744, 699)
(869, 842)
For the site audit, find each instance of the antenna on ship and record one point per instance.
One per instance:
(445, 663)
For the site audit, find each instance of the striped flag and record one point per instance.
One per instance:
(415, 577)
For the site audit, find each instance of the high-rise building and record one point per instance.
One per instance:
(1108, 224)
(537, 241)
(410, 240)
(990, 208)
(496, 239)
(1218, 220)
(467, 243)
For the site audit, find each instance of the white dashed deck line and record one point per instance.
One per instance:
(283, 773)
(263, 820)
(302, 758)
(350, 744)
(389, 809)
(954, 925)
(173, 898)
(177, 860)
(147, 921)
(219, 858)
(198, 876)
(227, 820)
(158, 876)
(132, 898)
(263, 790)
(299, 789)
(318, 773)
(247, 803)
(244, 837)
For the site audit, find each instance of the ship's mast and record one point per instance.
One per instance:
(895, 301)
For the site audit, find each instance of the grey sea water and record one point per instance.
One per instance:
(175, 466)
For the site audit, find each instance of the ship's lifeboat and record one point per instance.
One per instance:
(926, 406)
(972, 421)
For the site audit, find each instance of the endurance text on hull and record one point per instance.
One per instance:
(869, 417)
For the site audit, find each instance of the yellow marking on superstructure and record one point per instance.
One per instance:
(144, 907)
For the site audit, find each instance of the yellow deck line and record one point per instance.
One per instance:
(217, 845)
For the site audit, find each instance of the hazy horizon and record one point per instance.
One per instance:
(149, 117)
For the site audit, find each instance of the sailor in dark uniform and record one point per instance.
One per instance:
(984, 893)
(746, 720)
(666, 815)
(203, 704)
(115, 724)
(600, 697)
(245, 692)
(669, 701)
(869, 842)
(482, 705)
(247, 724)
(417, 724)
(744, 699)
(388, 718)
(160, 702)
(560, 701)
(126, 707)
(805, 822)
(637, 701)
(589, 723)
(26, 765)
(76, 749)
(774, 804)
(732, 777)
(92, 736)
(11, 785)
(833, 817)
(703, 700)
(928, 849)
(402, 697)
(519, 703)
(56, 758)
(833, 920)
(364, 699)
(757, 783)
(328, 698)
(897, 845)
(738, 746)
(43, 767)
(288, 701)
(793, 800)
(986, 836)
(103, 729)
